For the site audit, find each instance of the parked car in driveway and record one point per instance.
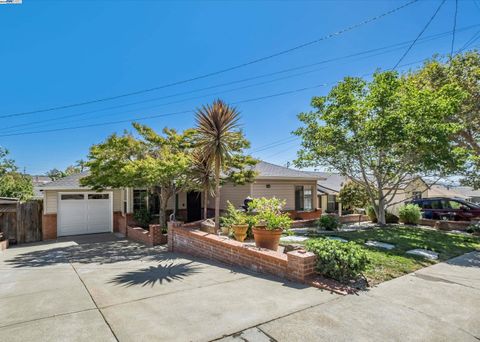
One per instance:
(444, 208)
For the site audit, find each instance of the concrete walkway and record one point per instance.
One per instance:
(101, 288)
(437, 303)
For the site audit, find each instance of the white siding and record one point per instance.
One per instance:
(51, 196)
(236, 194)
(284, 191)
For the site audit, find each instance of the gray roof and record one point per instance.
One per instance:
(264, 169)
(268, 170)
(329, 182)
(69, 182)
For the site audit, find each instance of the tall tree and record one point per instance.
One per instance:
(161, 163)
(55, 174)
(381, 132)
(221, 142)
(13, 183)
(463, 71)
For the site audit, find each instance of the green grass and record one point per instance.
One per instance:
(386, 265)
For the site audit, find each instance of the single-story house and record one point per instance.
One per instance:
(328, 189)
(471, 194)
(70, 209)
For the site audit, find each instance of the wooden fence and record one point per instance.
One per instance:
(22, 222)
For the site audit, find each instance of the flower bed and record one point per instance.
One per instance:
(295, 265)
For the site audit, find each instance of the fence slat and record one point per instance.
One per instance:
(25, 224)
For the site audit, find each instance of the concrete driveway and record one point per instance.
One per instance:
(101, 288)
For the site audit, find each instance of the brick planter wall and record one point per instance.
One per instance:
(305, 215)
(445, 225)
(150, 237)
(296, 265)
(353, 218)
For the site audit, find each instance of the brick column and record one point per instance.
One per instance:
(300, 265)
(171, 226)
(155, 234)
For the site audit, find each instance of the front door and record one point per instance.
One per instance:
(194, 206)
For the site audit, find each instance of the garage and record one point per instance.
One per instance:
(84, 213)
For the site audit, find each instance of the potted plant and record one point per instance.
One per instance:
(235, 220)
(271, 222)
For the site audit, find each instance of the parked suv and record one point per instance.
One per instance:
(444, 208)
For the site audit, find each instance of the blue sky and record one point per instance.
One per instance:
(56, 53)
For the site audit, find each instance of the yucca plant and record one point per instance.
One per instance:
(203, 175)
(218, 137)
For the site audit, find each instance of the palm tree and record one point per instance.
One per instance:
(202, 172)
(217, 138)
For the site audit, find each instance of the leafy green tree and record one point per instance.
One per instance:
(381, 132)
(160, 162)
(353, 195)
(12, 183)
(55, 174)
(16, 185)
(221, 143)
(463, 71)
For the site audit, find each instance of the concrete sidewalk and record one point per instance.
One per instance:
(437, 303)
(101, 288)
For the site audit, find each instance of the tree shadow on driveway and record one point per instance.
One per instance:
(157, 274)
(104, 252)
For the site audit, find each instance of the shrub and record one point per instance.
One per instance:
(342, 261)
(233, 216)
(409, 214)
(328, 222)
(269, 212)
(143, 217)
(389, 217)
(474, 228)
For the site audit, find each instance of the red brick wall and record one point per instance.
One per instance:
(294, 265)
(119, 222)
(352, 218)
(305, 215)
(152, 237)
(49, 226)
(446, 225)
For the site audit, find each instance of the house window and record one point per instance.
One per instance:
(139, 199)
(97, 196)
(303, 198)
(416, 195)
(72, 197)
(331, 203)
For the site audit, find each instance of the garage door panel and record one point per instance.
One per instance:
(84, 213)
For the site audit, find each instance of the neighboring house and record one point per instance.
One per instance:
(38, 182)
(328, 188)
(70, 209)
(467, 191)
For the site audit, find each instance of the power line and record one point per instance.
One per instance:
(470, 41)
(254, 61)
(419, 35)
(158, 115)
(365, 52)
(454, 28)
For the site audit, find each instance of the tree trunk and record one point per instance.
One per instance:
(162, 215)
(205, 203)
(217, 195)
(381, 211)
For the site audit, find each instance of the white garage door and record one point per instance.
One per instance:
(84, 213)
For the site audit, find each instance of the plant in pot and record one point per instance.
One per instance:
(271, 222)
(235, 220)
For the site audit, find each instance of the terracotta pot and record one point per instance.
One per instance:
(240, 231)
(267, 238)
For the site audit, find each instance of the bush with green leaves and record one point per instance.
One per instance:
(269, 212)
(474, 228)
(143, 217)
(328, 222)
(342, 261)
(409, 213)
(233, 216)
(389, 217)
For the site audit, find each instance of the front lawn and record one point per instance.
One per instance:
(389, 264)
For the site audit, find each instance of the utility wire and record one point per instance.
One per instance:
(454, 28)
(254, 61)
(158, 115)
(419, 35)
(181, 112)
(470, 41)
(382, 50)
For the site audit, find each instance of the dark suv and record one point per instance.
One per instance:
(444, 208)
